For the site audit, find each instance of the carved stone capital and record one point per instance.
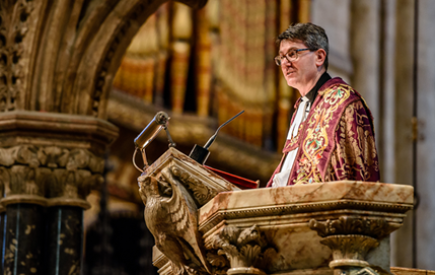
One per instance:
(349, 250)
(48, 175)
(245, 249)
(51, 159)
(350, 238)
(374, 227)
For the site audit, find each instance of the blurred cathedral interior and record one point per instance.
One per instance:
(204, 65)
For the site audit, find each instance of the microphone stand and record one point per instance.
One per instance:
(201, 154)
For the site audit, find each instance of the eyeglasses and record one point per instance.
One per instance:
(291, 56)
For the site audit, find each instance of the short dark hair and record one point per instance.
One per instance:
(313, 36)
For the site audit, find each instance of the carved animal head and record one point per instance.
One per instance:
(149, 187)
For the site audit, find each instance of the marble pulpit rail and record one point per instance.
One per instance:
(344, 196)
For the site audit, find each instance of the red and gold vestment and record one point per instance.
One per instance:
(336, 141)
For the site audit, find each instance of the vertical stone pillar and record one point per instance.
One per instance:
(403, 100)
(65, 241)
(426, 128)
(24, 184)
(49, 167)
(365, 52)
(24, 239)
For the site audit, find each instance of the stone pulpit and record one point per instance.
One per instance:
(203, 224)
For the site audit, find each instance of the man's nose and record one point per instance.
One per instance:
(285, 63)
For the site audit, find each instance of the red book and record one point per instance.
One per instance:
(242, 183)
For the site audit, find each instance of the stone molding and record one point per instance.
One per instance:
(351, 206)
(72, 131)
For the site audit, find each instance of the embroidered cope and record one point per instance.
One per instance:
(335, 142)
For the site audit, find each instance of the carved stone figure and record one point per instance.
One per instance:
(173, 188)
(170, 214)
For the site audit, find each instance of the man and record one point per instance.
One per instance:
(331, 134)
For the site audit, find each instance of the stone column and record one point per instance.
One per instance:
(426, 127)
(365, 22)
(403, 101)
(24, 239)
(65, 245)
(50, 163)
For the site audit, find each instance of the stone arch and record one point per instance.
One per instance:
(73, 49)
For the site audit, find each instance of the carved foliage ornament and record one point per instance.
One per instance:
(201, 193)
(218, 262)
(376, 228)
(349, 250)
(49, 171)
(244, 248)
(13, 28)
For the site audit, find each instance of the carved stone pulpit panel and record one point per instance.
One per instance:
(172, 189)
(324, 228)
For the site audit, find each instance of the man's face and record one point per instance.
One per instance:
(303, 71)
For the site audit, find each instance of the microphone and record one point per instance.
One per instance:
(149, 134)
(201, 154)
(151, 130)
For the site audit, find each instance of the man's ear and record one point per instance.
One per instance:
(320, 57)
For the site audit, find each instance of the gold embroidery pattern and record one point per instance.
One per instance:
(293, 143)
(316, 139)
(354, 158)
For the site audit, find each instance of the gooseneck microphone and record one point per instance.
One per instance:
(201, 154)
(148, 134)
(151, 130)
